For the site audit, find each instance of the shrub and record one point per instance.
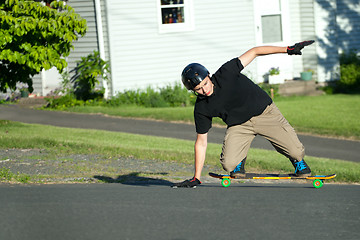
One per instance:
(267, 88)
(177, 96)
(152, 98)
(63, 102)
(87, 72)
(350, 78)
(274, 71)
(349, 75)
(169, 96)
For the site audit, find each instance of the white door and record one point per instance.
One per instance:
(51, 80)
(272, 28)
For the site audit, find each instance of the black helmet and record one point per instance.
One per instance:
(193, 74)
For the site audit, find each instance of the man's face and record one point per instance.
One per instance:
(206, 87)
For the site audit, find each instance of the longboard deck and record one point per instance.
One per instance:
(318, 180)
(272, 176)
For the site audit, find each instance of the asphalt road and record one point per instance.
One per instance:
(119, 211)
(314, 146)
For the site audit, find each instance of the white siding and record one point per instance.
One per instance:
(295, 35)
(141, 56)
(105, 29)
(348, 22)
(307, 24)
(37, 84)
(327, 42)
(88, 43)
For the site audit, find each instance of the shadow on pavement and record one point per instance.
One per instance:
(135, 179)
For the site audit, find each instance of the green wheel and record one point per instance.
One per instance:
(226, 182)
(318, 183)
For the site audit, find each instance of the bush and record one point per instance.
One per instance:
(267, 88)
(350, 78)
(349, 75)
(151, 98)
(169, 96)
(63, 102)
(87, 72)
(177, 96)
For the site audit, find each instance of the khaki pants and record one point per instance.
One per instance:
(272, 125)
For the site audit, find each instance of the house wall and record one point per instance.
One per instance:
(327, 40)
(348, 25)
(296, 35)
(89, 42)
(105, 33)
(307, 26)
(142, 57)
(37, 84)
(105, 29)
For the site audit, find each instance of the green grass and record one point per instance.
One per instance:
(330, 115)
(334, 115)
(184, 114)
(7, 175)
(61, 142)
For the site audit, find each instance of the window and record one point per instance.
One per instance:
(172, 11)
(271, 21)
(175, 15)
(271, 28)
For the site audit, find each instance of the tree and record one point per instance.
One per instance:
(35, 37)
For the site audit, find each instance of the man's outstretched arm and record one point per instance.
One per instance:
(251, 54)
(254, 52)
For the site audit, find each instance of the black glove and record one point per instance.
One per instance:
(191, 183)
(295, 50)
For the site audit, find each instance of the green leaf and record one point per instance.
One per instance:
(33, 37)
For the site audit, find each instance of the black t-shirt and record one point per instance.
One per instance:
(235, 99)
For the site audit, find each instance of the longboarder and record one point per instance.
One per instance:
(245, 108)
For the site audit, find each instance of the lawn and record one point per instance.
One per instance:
(334, 115)
(62, 142)
(330, 115)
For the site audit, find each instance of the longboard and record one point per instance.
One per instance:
(317, 183)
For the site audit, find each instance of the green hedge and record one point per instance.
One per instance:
(349, 75)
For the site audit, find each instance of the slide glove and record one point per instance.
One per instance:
(191, 183)
(295, 49)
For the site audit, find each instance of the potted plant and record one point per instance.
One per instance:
(307, 75)
(274, 76)
(24, 91)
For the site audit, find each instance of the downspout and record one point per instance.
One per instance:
(101, 41)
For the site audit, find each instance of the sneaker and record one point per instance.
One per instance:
(191, 183)
(302, 169)
(239, 171)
